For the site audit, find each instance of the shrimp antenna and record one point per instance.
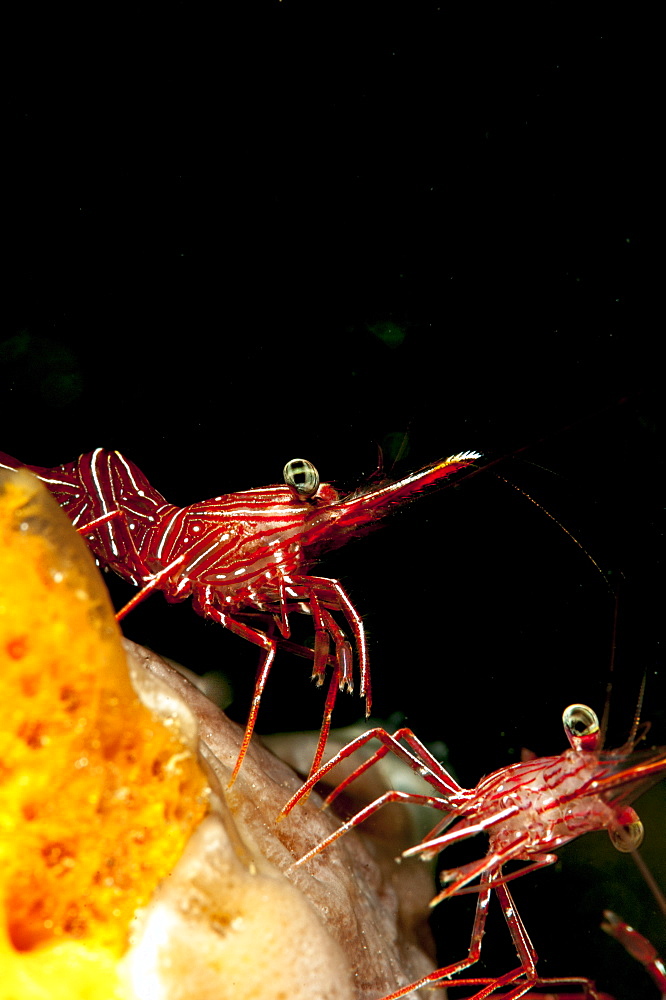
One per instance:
(633, 739)
(638, 859)
(588, 555)
(633, 735)
(402, 450)
(649, 880)
(611, 672)
(637, 731)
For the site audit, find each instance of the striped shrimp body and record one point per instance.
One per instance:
(239, 553)
(527, 810)
(544, 803)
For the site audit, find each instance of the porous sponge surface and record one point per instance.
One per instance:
(97, 797)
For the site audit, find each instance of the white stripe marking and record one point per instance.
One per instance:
(105, 509)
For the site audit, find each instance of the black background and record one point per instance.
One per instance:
(308, 229)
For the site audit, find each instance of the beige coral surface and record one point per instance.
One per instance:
(355, 929)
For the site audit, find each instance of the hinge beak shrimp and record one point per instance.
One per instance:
(527, 810)
(240, 553)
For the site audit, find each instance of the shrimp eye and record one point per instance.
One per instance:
(302, 475)
(628, 837)
(582, 727)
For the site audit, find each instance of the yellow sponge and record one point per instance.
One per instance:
(97, 797)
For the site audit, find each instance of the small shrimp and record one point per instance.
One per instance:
(528, 810)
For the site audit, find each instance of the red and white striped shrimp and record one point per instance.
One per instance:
(528, 810)
(239, 553)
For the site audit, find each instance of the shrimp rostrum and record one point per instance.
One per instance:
(527, 811)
